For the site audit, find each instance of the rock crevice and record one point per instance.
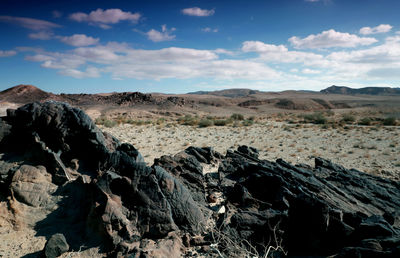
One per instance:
(84, 184)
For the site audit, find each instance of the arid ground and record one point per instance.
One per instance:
(373, 149)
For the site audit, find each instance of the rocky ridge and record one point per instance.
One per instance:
(27, 93)
(366, 90)
(81, 187)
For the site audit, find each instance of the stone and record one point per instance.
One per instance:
(33, 186)
(55, 246)
(96, 191)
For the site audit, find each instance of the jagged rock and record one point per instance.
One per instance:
(32, 186)
(250, 151)
(122, 207)
(99, 192)
(170, 246)
(189, 167)
(55, 246)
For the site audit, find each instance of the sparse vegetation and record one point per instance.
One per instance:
(105, 122)
(222, 122)
(365, 121)
(236, 116)
(315, 118)
(188, 120)
(247, 122)
(206, 123)
(348, 118)
(390, 121)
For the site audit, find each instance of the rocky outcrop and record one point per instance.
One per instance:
(366, 90)
(24, 94)
(55, 246)
(27, 93)
(79, 182)
(100, 188)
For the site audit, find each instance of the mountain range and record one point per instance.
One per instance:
(366, 90)
(218, 103)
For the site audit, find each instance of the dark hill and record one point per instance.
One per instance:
(231, 93)
(27, 93)
(24, 94)
(367, 90)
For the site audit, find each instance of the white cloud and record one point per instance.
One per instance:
(90, 72)
(79, 40)
(196, 11)
(260, 47)
(103, 18)
(171, 54)
(29, 23)
(331, 38)
(383, 28)
(7, 53)
(98, 54)
(42, 35)
(280, 53)
(274, 64)
(310, 71)
(123, 62)
(223, 51)
(208, 29)
(39, 58)
(63, 62)
(372, 63)
(163, 35)
(385, 54)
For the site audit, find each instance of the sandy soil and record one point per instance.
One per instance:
(367, 148)
(6, 105)
(17, 243)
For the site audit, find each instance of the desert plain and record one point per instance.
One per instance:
(359, 131)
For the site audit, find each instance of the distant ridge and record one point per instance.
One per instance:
(28, 93)
(366, 90)
(231, 93)
(24, 94)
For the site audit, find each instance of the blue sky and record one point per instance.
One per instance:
(181, 46)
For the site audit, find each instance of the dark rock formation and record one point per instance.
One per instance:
(96, 191)
(27, 93)
(230, 93)
(366, 90)
(55, 246)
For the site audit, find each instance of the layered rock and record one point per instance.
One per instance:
(86, 185)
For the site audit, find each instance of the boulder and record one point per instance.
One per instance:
(55, 246)
(33, 186)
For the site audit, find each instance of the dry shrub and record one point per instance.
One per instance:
(10, 213)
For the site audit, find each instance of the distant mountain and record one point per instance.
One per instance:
(24, 94)
(27, 93)
(231, 93)
(367, 90)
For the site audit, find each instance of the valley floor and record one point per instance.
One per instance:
(370, 149)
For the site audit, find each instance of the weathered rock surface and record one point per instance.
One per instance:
(97, 191)
(55, 246)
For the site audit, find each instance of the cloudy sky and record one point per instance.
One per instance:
(180, 46)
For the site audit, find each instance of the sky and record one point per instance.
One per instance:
(182, 46)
